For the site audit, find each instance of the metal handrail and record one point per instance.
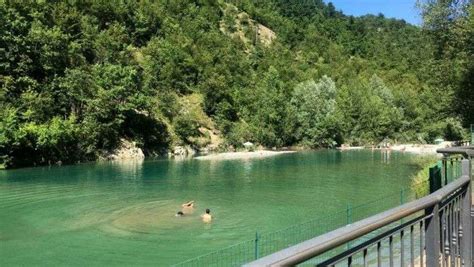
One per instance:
(466, 151)
(318, 245)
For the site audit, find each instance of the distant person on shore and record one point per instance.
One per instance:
(206, 217)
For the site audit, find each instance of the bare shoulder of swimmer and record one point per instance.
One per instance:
(207, 217)
(188, 204)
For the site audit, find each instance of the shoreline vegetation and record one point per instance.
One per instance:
(419, 179)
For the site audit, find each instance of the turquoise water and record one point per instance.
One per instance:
(123, 213)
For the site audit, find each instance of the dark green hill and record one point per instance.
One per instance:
(81, 77)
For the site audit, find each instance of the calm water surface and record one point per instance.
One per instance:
(123, 213)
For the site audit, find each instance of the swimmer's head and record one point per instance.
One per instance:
(179, 213)
(208, 211)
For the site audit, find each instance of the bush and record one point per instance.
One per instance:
(185, 127)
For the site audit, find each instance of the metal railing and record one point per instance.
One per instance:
(435, 230)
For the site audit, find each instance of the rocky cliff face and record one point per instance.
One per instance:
(126, 150)
(238, 24)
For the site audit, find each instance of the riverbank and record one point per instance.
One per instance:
(424, 149)
(242, 155)
(421, 149)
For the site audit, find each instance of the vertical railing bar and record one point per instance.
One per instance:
(447, 236)
(466, 224)
(443, 236)
(348, 220)
(451, 230)
(459, 217)
(402, 249)
(379, 256)
(349, 261)
(432, 236)
(412, 246)
(445, 168)
(451, 170)
(458, 224)
(460, 228)
(422, 248)
(256, 245)
(455, 230)
(365, 257)
(390, 244)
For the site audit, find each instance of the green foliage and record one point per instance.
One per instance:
(369, 112)
(450, 25)
(78, 77)
(314, 107)
(186, 127)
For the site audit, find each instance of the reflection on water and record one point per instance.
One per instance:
(385, 155)
(131, 169)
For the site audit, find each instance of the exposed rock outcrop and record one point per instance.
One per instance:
(238, 24)
(182, 151)
(126, 150)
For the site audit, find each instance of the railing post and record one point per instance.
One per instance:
(348, 214)
(432, 236)
(435, 178)
(467, 218)
(445, 168)
(402, 196)
(256, 245)
(402, 193)
(348, 221)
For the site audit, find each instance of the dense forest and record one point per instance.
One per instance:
(78, 78)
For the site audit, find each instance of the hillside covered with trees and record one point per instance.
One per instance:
(78, 78)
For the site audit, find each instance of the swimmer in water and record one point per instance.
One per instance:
(189, 204)
(187, 208)
(206, 217)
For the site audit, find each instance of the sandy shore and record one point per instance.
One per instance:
(420, 149)
(243, 155)
(409, 148)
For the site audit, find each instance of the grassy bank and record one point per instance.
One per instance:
(419, 181)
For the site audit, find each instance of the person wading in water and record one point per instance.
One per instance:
(206, 217)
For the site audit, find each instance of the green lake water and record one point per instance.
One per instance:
(124, 213)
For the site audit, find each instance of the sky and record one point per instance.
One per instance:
(400, 9)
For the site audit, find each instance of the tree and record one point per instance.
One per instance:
(450, 24)
(314, 109)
